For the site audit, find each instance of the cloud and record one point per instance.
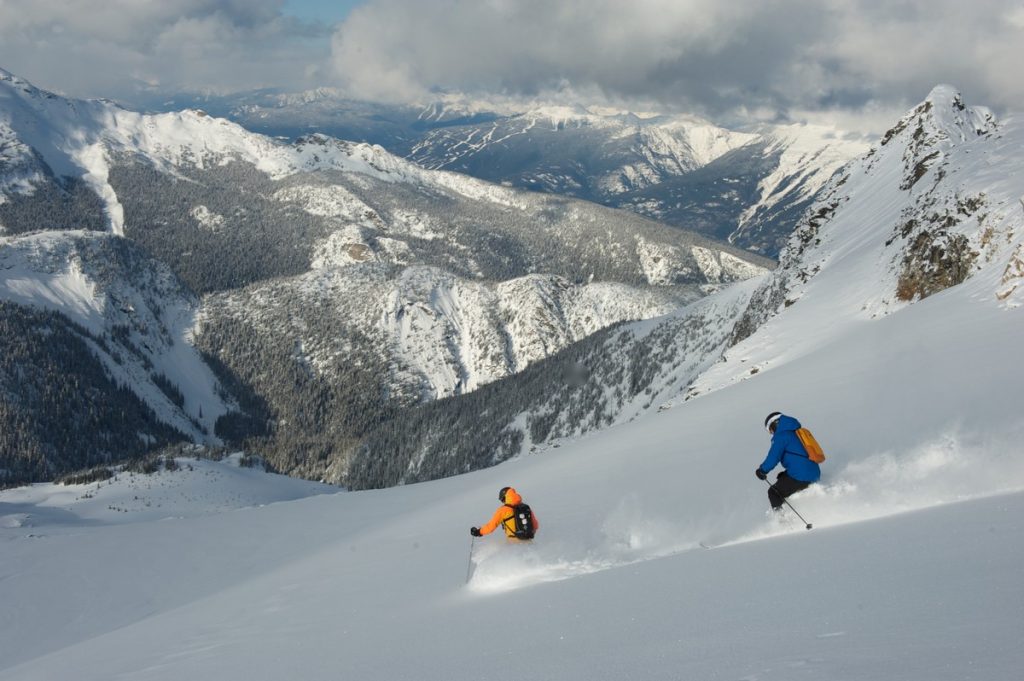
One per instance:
(104, 47)
(732, 61)
(698, 55)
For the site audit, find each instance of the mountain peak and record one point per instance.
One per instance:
(943, 118)
(944, 96)
(12, 80)
(950, 111)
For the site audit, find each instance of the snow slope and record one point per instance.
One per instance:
(615, 586)
(808, 156)
(197, 487)
(912, 570)
(131, 302)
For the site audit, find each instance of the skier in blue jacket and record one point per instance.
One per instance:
(800, 472)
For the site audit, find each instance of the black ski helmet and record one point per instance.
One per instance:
(771, 419)
(501, 494)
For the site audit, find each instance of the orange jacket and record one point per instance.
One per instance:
(504, 516)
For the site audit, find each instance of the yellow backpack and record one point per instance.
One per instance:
(814, 451)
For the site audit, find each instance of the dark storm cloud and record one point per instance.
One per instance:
(781, 55)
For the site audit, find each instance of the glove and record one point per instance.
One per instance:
(475, 531)
(761, 475)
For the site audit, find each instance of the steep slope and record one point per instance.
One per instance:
(124, 321)
(935, 205)
(614, 583)
(752, 196)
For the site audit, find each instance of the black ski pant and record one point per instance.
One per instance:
(784, 486)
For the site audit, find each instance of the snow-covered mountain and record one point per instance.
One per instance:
(748, 187)
(98, 354)
(332, 271)
(447, 335)
(755, 195)
(107, 148)
(335, 354)
(343, 285)
(937, 204)
(892, 329)
(577, 151)
(51, 138)
(328, 111)
(130, 301)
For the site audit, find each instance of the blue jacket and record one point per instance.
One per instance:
(787, 450)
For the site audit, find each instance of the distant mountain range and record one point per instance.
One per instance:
(745, 188)
(748, 188)
(289, 297)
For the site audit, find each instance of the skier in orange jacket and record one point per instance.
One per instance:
(523, 528)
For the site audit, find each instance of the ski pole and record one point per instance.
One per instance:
(469, 567)
(809, 526)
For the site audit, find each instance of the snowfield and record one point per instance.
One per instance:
(912, 570)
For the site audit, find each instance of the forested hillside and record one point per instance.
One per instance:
(60, 409)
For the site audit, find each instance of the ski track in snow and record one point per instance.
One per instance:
(941, 472)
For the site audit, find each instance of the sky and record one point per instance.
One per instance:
(764, 60)
(329, 12)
